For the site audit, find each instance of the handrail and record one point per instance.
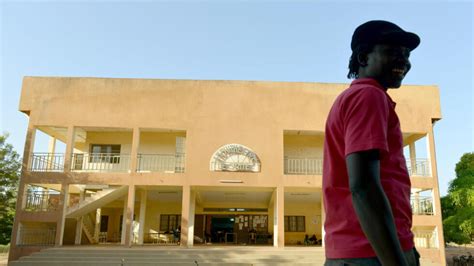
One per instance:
(42, 201)
(303, 166)
(166, 163)
(418, 167)
(46, 162)
(100, 162)
(36, 236)
(426, 238)
(421, 205)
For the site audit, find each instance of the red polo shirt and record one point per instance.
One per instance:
(363, 118)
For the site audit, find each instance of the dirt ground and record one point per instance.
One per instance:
(457, 250)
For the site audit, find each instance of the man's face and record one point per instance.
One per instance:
(388, 64)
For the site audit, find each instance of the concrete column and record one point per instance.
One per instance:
(127, 225)
(436, 200)
(97, 224)
(323, 220)
(69, 148)
(134, 151)
(416, 202)
(63, 207)
(185, 210)
(412, 147)
(141, 230)
(279, 218)
(51, 149)
(77, 240)
(29, 146)
(192, 208)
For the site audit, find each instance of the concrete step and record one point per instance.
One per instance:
(97, 255)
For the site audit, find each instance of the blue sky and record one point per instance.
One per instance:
(235, 40)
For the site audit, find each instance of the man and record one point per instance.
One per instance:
(366, 186)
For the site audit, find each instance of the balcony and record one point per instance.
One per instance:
(100, 162)
(422, 205)
(107, 162)
(426, 238)
(303, 166)
(42, 201)
(47, 162)
(164, 163)
(419, 167)
(29, 235)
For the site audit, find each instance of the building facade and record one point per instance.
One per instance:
(188, 162)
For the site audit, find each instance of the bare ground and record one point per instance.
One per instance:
(457, 250)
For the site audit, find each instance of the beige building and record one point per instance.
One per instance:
(229, 162)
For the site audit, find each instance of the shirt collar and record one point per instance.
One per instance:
(375, 83)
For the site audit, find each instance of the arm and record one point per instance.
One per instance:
(372, 206)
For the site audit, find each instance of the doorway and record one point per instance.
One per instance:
(222, 228)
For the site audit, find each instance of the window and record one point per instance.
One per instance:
(169, 222)
(295, 224)
(101, 153)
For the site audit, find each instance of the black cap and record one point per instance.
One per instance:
(383, 32)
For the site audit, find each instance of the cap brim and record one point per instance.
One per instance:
(407, 39)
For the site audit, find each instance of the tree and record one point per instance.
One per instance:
(458, 205)
(9, 177)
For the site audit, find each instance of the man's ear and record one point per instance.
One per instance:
(362, 59)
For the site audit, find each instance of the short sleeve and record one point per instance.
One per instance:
(365, 119)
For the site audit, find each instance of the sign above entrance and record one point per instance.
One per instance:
(235, 158)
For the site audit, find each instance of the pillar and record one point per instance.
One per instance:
(97, 224)
(29, 146)
(141, 230)
(279, 218)
(62, 214)
(127, 224)
(77, 240)
(185, 210)
(51, 155)
(412, 147)
(323, 220)
(69, 148)
(436, 200)
(192, 209)
(134, 150)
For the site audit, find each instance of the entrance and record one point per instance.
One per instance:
(222, 229)
(233, 229)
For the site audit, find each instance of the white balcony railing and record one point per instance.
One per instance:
(426, 239)
(422, 205)
(100, 162)
(40, 201)
(418, 167)
(303, 166)
(36, 236)
(165, 163)
(47, 162)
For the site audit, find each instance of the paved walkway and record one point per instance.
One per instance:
(3, 259)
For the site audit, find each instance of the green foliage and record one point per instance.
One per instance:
(9, 176)
(458, 205)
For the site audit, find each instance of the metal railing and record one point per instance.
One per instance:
(100, 162)
(36, 236)
(46, 162)
(41, 201)
(422, 205)
(303, 166)
(418, 167)
(165, 163)
(426, 239)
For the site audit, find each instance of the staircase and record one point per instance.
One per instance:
(96, 201)
(88, 228)
(199, 255)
